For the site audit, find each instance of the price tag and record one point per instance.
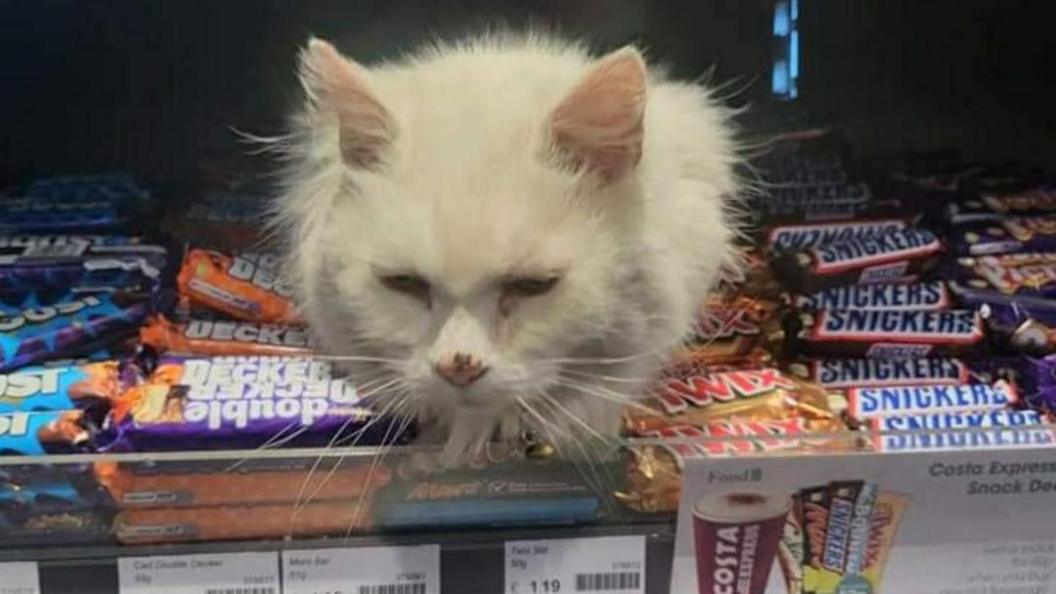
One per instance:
(373, 570)
(234, 573)
(19, 578)
(604, 565)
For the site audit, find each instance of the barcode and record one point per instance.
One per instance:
(413, 588)
(595, 582)
(258, 590)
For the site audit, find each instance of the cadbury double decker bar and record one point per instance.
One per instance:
(791, 238)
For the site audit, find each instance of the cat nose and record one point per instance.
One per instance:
(461, 369)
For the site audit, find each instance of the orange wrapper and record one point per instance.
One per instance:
(245, 287)
(223, 337)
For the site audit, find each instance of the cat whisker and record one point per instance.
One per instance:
(575, 419)
(379, 457)
(598, 376)
(298, 505)
(606, 394)
(363, 358)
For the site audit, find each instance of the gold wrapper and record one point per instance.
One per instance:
(748, 395)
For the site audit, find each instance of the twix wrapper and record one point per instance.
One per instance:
(745, 395)
(731, 334)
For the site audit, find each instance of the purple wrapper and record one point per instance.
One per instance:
(1006, 236)
(246, 402)
(36, 263)
(1030, 274)
(993, 206)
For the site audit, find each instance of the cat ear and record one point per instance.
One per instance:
(339, 85)
(599, 124)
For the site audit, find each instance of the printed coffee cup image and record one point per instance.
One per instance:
(736, 535)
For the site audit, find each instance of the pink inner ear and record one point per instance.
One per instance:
(599, 124)
(340, 85)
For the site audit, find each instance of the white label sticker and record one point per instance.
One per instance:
(235, 573)
(604, 565)
(19, 578)
(370, 570)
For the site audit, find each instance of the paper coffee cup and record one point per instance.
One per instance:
(736, 535)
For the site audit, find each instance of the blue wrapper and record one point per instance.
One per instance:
(71, 327)
(48, 432)
(993, 429)
(91, 387)
(245, 402)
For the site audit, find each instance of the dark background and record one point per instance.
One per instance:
(154, 86)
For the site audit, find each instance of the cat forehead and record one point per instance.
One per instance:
(459, 232)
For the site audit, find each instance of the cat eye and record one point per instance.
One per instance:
(529, 286)
(408, 284)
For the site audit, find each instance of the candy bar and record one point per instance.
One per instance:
(748, 395)
(885, 334)
(75, 326)
(654, 471)
(996, 206)
(241, 522)
(224, 337)
(30, 264)
(878, 373)
(50, 432)
(245, 287)
(729, 331)
(1005, 236)
(913, 400)
(894, 257)
(295, 480)
(511, 493)
(925, 295)
(1028, 274)
(793, 238)
(90, 387)
(1000, 428)
(245, 402)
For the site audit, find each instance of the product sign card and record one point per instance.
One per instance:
(964, 522)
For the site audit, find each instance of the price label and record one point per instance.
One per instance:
(369, 570)
(19, 578)
(604, 565)
(234, 573)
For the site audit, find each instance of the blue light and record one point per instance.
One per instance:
(781, 19)
(785, 77)
(779, 80)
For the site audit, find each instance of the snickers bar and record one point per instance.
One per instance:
(884, 334)
(894, 257)
(882, 373)
(927, 295)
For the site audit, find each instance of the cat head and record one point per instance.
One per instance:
(459, 230)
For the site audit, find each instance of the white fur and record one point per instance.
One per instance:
(466, 197)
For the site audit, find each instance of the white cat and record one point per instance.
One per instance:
(507, 234)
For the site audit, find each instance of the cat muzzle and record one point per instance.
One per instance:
(461, 369)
